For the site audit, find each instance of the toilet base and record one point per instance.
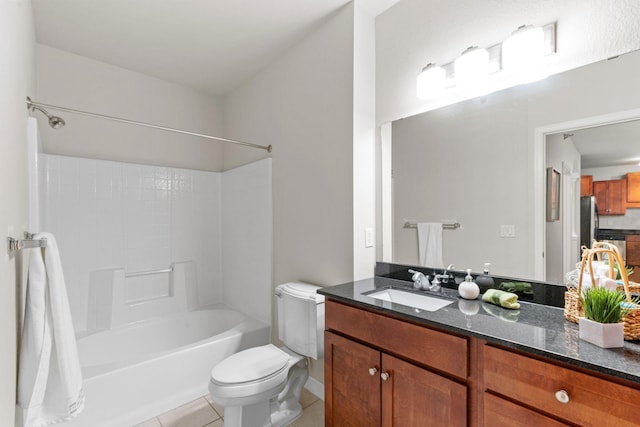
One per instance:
(257, 415)
(286, 408)
(285, 417)
(260, 415)
(277, 411)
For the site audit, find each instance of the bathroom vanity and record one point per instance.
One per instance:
(467, 364)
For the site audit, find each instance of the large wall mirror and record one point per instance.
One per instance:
(482, 163)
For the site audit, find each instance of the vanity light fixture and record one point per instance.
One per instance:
(431, 81)
(519, 57)
(523, 51)
(472, 66)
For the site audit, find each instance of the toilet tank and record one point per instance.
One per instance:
(301, 318)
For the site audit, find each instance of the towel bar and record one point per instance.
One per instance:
(446, 225)
(15, 245)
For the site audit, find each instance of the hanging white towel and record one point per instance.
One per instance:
(49, 375)
(430, 244)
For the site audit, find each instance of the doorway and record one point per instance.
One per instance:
(556, 132)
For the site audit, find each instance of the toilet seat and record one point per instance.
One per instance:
(249, 372)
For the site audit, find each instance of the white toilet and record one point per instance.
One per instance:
(261, 386)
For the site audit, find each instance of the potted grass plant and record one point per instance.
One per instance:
(602, 322)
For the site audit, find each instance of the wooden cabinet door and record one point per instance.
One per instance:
(412, 396)
(600, 192)
(633, 250)
(617, 197)
(611, 196)
(352, 394)
(586, 185)
(633, 187)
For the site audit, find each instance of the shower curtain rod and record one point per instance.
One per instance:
(31, 104)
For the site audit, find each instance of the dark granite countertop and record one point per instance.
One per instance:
(614, 233)
(534, 328)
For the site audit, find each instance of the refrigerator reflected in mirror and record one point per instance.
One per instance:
(588, 220)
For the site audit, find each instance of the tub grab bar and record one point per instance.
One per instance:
(15, 245)
(148, 273)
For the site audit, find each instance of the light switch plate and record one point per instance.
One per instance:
(368, 237)
(508, 230)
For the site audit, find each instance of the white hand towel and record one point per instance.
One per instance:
(430, 244)
(49, 375)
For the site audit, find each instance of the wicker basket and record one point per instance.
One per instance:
(572, 303)
(634, 288)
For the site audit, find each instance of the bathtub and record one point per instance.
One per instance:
(137, 371)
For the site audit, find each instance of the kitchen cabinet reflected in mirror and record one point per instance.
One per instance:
(478, 162)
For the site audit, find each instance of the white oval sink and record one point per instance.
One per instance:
(410, 299)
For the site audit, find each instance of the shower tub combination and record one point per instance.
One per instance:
(147, 345)
(136, 369)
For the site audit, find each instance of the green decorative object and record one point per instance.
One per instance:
(602, 322)
(602, 305)
(523, 287)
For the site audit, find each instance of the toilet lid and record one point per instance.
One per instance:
(301, 290)
(250, 365)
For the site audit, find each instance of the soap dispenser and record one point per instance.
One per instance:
(468, 289)
(483, 280)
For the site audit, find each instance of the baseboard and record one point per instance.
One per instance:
(315, 387)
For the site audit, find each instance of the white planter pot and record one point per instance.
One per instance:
(605, 335)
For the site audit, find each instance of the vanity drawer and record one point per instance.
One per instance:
(439, 350)
(591, 400)
(502, 413)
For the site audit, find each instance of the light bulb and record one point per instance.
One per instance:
(472, 66)
(522, 53)
(430, 82)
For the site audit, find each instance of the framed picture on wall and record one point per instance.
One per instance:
(553, 194)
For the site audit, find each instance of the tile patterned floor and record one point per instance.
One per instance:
(203, 412)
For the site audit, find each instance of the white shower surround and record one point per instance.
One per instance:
(139, 217)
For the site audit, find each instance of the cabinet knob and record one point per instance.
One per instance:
(372, 371)
(562, 396)
(385, 376)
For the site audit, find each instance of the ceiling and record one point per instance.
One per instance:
(610, 145)
(215, 45)
(209, 45)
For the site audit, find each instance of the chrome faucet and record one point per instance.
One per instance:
(436, 283)
(420, 281)
(438, 279)
(449, 267)
(446, 273)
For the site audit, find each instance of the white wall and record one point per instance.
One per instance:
(610, 172)
(303, 105)
(17, 42)
(449, 165)
(562, 154)
(113, 215)
(81, 83)
(364, 149)
(415, 32)
(247, 241)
